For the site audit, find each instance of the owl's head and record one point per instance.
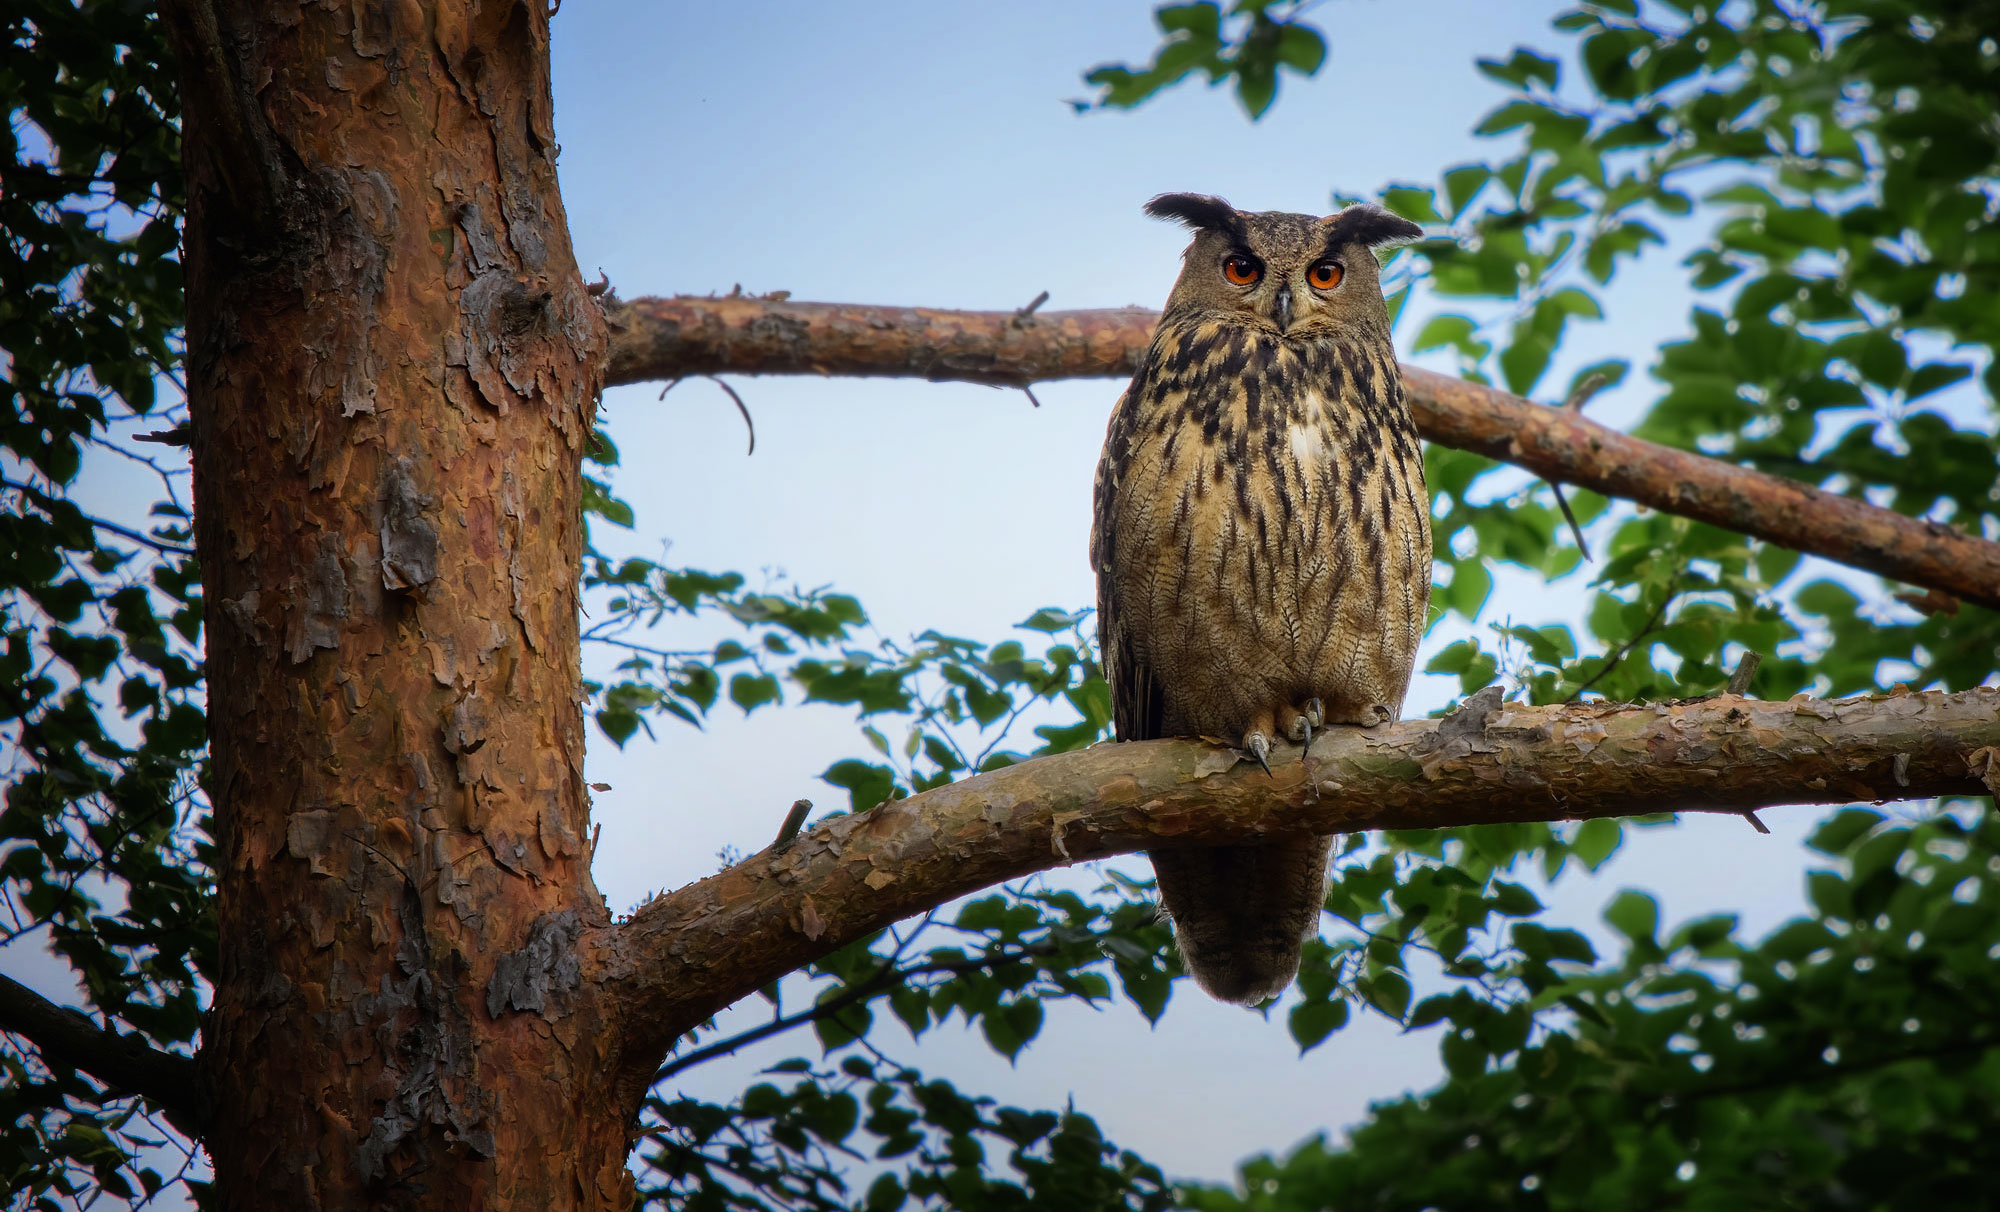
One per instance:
(1296, 275)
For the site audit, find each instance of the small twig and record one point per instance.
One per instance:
(1624, 648)
(742, 408)
(1739, 685)
(1746, 669)
(177, 436)
(794, 820)
(1593, 383)
(1030, 392)
(1022, 315)
(1575, 530)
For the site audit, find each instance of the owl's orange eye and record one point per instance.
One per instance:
(1325, 275)
(1241, 270)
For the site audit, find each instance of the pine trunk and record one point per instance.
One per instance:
(392, 368)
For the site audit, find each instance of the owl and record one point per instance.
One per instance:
(1262, 544)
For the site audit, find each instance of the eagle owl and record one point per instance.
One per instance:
(1261, 542)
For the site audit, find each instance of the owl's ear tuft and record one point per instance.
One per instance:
(1200, 212)
(1369, 225)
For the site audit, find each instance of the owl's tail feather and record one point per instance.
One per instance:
(1242, 913)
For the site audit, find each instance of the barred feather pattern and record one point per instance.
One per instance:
(1261, 538)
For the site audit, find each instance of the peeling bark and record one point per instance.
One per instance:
(392, 370)
(690, 953)
(672, 337)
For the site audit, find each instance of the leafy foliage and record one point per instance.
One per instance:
(1847, 1059)
(103, 849)
(1843, 241)
(783, 1147)
(1253, 44)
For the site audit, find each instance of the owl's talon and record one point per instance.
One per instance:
(1259, 746)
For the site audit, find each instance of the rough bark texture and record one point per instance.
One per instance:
(687, 954)
(671, 338)
(391, 374)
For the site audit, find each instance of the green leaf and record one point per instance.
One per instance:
(1522, 68)
(867, 784)
(1636, 915)
(1839, 832)
(1388, 991)
(1597, 840)
(1469, 588)
(1440, 331)
(1513, 900)
(1415, 203)
(1311, 1022)
(1301, 48)
(885, 1194)
(1524, 360)
(750, 691)
(1462, 185)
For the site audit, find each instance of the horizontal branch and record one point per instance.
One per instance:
(747, 335)
(670, 338)
(686, 955)
(67, 1039)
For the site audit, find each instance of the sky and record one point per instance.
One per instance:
(925, 154)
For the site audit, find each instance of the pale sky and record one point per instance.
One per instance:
(922, 153)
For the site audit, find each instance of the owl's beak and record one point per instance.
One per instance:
(1283, 306)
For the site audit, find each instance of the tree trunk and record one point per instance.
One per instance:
(391, 370)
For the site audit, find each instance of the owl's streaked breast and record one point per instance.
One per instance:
(1268, 536)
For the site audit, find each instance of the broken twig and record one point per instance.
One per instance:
(793, 821)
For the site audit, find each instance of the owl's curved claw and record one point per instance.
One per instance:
(1259, 746)
(1315, 715)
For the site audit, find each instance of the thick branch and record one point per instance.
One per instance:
(670, 338)
(690, 953)
(69, 1040)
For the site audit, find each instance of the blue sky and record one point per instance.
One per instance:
(923, 154)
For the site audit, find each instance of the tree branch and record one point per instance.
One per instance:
(688, 954)
(669, 337)
(67, 1039)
